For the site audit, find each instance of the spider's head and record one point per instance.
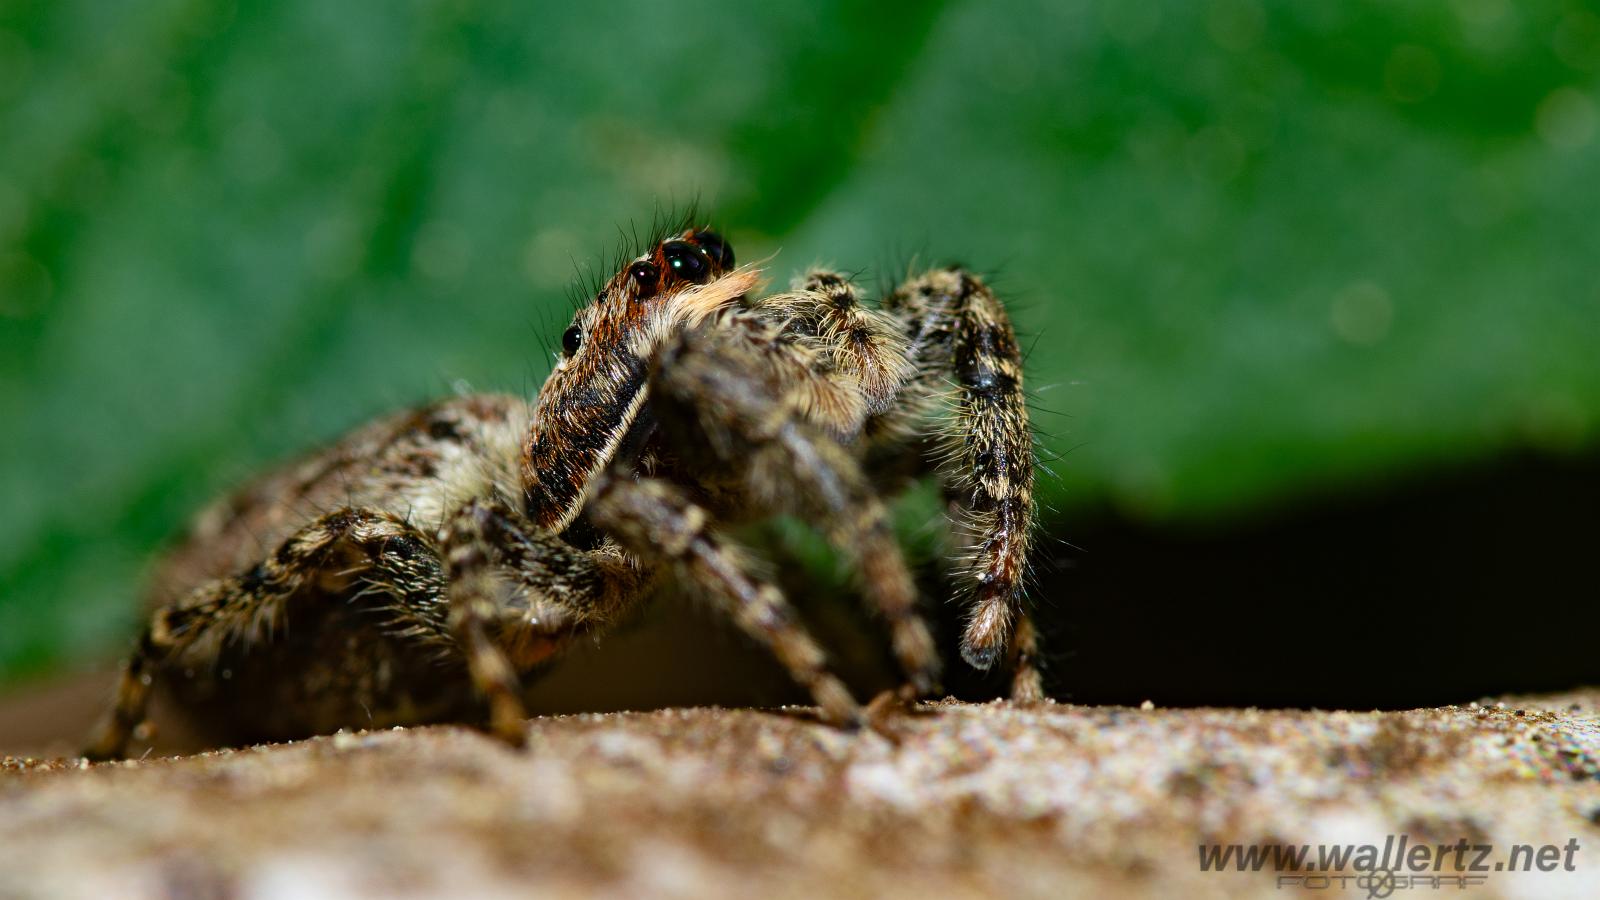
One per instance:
(589, 409)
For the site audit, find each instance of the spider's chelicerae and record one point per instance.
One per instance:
(429, 561)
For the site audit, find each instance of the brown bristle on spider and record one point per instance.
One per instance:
(422, 568)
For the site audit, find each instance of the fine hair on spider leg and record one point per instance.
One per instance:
(966, 352)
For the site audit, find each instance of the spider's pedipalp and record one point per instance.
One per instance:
(860, 342)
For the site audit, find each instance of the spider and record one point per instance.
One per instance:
(420, 568)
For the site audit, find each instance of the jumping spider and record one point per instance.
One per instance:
(424, 564)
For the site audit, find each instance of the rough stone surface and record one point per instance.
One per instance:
(951, 800)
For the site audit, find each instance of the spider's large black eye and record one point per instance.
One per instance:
(687, 261)
(571, 340)
(720, 251)
(646, 276)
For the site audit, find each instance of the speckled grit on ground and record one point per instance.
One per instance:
(1047, 801)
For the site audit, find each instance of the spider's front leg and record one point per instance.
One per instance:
(708, 394)
(658, 521)
(517, 597)
(958, 332)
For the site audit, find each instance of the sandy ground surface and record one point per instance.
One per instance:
(951, 800)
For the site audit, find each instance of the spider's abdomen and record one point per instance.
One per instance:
(418, 465)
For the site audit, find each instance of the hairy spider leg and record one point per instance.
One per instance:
(657, 520)
(249, 606)
(566, 592)
(706, 378)
(964, 349)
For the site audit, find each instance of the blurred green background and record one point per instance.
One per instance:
(1262, 251)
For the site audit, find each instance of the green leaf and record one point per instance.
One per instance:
(1260, 250)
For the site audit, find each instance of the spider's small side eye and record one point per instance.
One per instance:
(646, 276)
(571, 340)
(720, 251)
(687, 261)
